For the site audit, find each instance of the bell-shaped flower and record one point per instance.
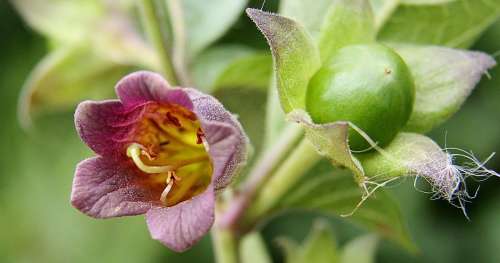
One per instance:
(161, 151)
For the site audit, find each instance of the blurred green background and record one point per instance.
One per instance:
(38, 224)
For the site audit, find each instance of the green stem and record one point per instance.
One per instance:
(286, 176)
(225, 245)
(178, 26)
(154, 27)
(260, 173)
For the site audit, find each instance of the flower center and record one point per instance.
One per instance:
(168, 146)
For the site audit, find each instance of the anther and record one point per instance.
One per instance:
(199, 136)
(172, 119)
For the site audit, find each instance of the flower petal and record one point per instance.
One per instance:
(105, 125)
(179, 227)
(103, 188)
(143, 86)
(224, 150)
(225, 136)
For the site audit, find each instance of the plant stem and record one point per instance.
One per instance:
(154, 27)
(179, 55)
(286, 176)
(225, 245)
(268, 161)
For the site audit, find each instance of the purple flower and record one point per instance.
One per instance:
(161, 151)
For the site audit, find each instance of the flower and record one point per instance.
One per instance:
(161, 151)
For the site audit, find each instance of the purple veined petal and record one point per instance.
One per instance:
(105, 125)
(103, 188)
(144, 86)
(179, 227)
(225, 136)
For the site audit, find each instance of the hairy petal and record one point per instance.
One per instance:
(144, 86)
(225, 136)
(179, 227)
(103, 188)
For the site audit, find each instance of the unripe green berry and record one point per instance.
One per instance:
(368, 85)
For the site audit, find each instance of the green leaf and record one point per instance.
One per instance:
(64, 21)
(210, 64)
(347, 22)
(275, 118)
(105, 26)
(360, 250)
(444, 78)
(336, 193)
(253, 249)
(65, 77)
(253, 71)
(382, 10)
(425, 2)
(310, 14)
(295, 56)
(249, 105)
(333, 24)
(318, 247)
(206, 21)
(449, 23)
(116, 39)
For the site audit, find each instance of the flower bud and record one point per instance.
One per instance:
(368, 85)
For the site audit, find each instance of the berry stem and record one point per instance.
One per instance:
(303, 157)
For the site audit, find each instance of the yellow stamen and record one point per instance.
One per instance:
(134, 151)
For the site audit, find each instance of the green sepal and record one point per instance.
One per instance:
(444, 78)
(295, 56)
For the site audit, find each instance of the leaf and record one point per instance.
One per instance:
(333, 24)
(275, 118)
(450, 23)
(206, 21)
(64, 21)
(425, 2)
(253, 249)
(249, 105)
(253, 71)
(360, 250)
(382, 10)
(65, 77)
(337, 194)
(210, 64)
(318, 247)
(444, 78)
(347, 22)
(115, 38)
(310, 14)
(105, 26)
(295, 56)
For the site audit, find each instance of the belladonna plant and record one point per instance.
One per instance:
(364, 105)
(357, 90)
(161, 151)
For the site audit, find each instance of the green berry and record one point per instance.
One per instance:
(368, 85)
